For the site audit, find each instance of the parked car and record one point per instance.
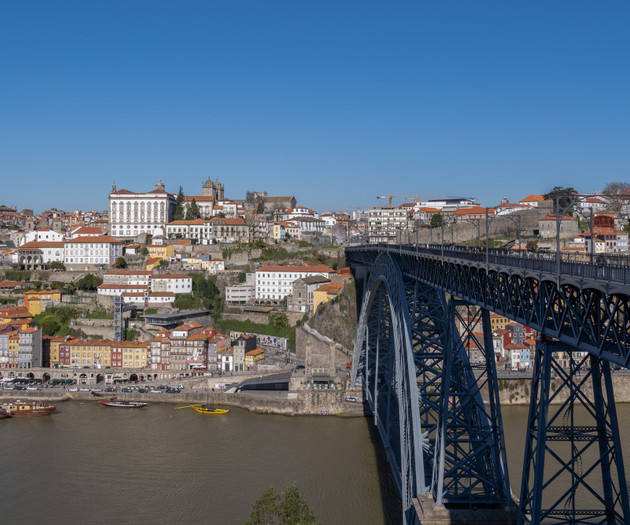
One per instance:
(97, 390)
(20, 387)
(143, 390)
(8, 388)
(157, 391)
(126, 389)
(32, 388)
(73, 389)
(84, 389)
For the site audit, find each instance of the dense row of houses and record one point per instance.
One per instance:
(187, 348)
(513, 344)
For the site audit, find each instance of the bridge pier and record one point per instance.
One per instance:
(573, 469)
(428, 513)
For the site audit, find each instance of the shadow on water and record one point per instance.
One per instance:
(391, 502)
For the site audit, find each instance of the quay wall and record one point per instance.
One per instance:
(307, 402)
(514, 391)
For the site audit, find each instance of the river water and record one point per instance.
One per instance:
(89, 464)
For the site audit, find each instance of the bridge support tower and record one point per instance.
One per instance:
(573, 469)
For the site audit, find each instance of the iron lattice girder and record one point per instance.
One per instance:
(573, 472)
(383, 353)
(469, 467)
(585, 317)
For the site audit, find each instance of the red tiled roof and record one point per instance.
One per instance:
(127, 272)
(95, 239)
(533, 198)
(298, 269)
(38, 245)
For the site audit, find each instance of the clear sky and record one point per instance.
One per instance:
(333, 101)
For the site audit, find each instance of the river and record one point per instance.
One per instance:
(89, 464)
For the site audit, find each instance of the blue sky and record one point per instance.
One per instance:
(333, 101)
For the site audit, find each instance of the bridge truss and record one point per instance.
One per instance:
(438, 413)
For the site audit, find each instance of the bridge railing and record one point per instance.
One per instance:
(611, 268)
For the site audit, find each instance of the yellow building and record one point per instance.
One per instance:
(160, 251)
(18, 316)
(128, 354)
(37, 301)
(152, 262)
(55, 344)
(325, 293)
(93, 353)
(498, 322)
(14, 350)
(253, 355)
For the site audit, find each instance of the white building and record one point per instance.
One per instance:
(102, 250)
(171, 282)
(276, 282)
(136, 277)
(133, 213)
(42, 235)
(308, 225)
(37, 254)
(385, 224)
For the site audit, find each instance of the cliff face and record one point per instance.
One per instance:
(337, 319)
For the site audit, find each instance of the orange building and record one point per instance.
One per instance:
(18, 316)
(37, 301)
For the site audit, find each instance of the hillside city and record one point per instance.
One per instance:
(167, 285)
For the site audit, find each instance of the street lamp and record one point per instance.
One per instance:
(478, 223)
(590, 225)
(518, 229)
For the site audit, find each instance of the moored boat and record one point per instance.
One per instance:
(123, 404)
(20, 409)
(4, 413)
(210, 410)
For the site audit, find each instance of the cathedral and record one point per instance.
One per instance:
(212, 189)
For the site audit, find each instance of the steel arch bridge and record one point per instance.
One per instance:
(438, 411)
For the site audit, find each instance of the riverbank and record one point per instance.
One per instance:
(512, 392)
(301, 403)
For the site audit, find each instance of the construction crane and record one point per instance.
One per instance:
(406, 197)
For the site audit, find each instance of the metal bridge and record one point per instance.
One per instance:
(438, 413)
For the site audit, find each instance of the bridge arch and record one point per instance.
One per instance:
(406, 351)
(580, 309)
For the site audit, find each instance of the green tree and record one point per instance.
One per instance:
(532, 246)
(288, 508)
(120, 262)
(88, 282)
(560, 196)
(163, 264)
(280, 320)
(57, 265)
(436, 220)
(144, 252)
(179, 205)
(185, 301)
(242, 276)
(50, 326)
(193, 211)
